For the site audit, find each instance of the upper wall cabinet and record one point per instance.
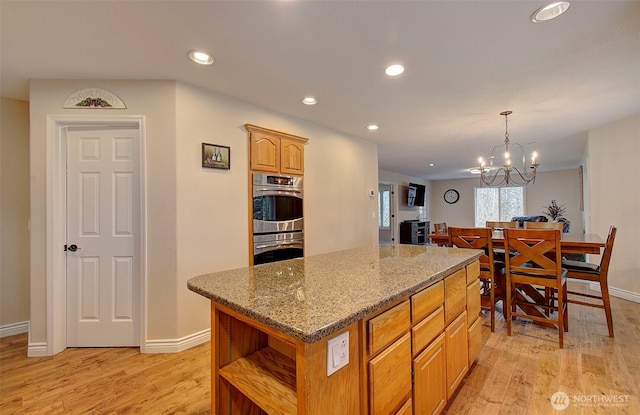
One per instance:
(275, 151)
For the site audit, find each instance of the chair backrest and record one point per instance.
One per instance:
(501, 225)
(544, 225)
(440, 228)
(606, 255)
(533, 252)
(475, 238)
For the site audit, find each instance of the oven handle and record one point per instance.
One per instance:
(277, 245)
(276, 190)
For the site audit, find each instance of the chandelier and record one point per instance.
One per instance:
(509, 174)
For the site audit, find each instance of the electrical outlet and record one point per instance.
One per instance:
(337, 353)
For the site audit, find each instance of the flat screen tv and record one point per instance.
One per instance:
(415, 195)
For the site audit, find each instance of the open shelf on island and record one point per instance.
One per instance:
(267, 378)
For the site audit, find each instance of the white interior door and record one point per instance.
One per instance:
(103, 281)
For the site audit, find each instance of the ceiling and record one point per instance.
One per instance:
(466, 61)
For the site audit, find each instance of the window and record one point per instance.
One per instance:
(498, 204)
(384, 208)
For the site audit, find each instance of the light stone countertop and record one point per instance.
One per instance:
(310, 298)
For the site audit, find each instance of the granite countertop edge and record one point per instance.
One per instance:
(339, 323)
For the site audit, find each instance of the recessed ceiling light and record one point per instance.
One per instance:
(474, 171)
(201, 57)
(372, 127)
(550, 11)
(394, 70)
(309, 101)
(432, 164)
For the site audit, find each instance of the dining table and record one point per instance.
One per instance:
(570, 243)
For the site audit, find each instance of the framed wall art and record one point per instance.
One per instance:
(215, 156)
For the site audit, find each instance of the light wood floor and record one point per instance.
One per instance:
(513, 375)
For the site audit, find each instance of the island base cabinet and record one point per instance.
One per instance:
(430, 379)
(256, 370)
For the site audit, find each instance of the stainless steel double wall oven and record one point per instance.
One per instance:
(277, 217)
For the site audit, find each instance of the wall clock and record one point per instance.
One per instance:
(451, 196)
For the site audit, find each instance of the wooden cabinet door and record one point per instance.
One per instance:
(475, 340)
(430, 383)
(390, 377)
(457, 352)
(291, 157)
(265, 153)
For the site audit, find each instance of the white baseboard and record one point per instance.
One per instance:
(37, 350)
(617, 292)
(14, 328)
(176, 345)
(151, 346)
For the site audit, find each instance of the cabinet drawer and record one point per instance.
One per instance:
(474, 335)
(455, 293)
(388, 326)
(473, 271)
(473, 302)
(427, 300)
(390, 377)
(427, 330)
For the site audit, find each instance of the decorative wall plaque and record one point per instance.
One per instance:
(94, 98)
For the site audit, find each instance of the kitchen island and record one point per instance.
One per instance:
(341, 333)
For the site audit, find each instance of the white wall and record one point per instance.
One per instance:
(157, 101)
(563, 186)
(212, 205)
(14, 216)
(198, 218)
(613, 152)
(403, 211)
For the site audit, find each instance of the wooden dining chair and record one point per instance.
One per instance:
(440, 228)
(535, 261)
(498, 253)
(544, 225)
(500, 225)
(492, 280)
(599, 273)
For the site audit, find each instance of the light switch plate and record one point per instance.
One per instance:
(337, 353)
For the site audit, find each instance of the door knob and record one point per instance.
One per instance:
(72, 248)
